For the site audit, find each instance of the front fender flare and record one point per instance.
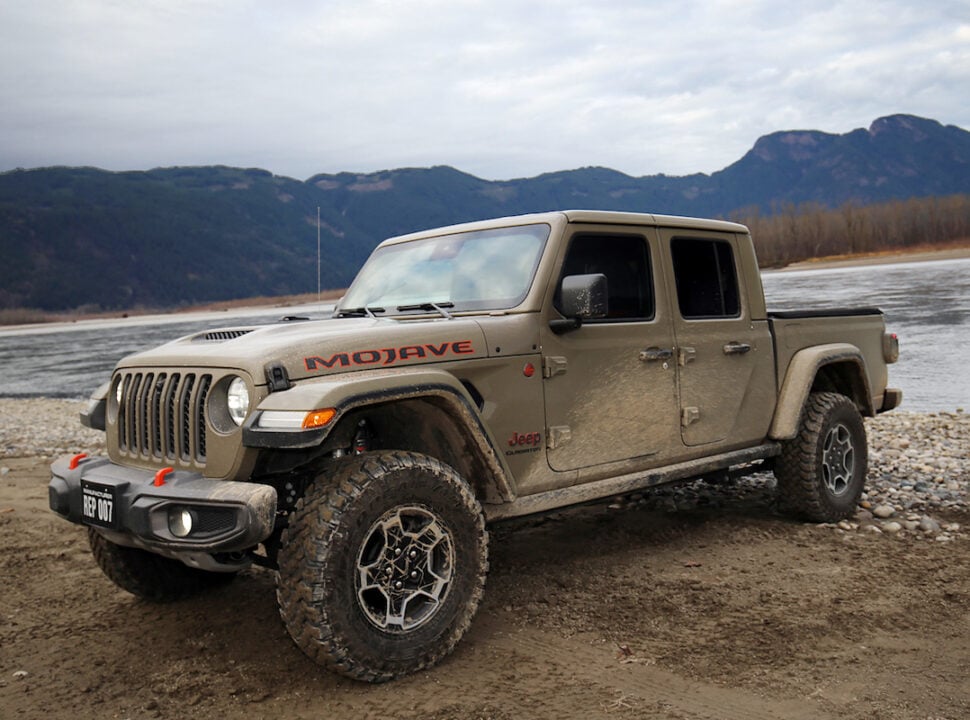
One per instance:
(348, 392)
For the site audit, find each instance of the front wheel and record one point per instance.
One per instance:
(382, 565)
(822, 470)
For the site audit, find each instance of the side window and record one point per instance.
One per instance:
(625, 261)
(707, 284)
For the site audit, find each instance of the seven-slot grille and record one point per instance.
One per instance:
(161, 415)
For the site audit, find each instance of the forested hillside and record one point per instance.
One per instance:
(83, 237)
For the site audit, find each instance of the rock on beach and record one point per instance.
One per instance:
(917, 466)
(917, 472)
(45, 428)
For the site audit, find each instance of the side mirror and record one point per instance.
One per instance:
(583, 297)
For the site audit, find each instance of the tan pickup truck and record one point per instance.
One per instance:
(471, 373)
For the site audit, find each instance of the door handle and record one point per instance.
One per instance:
(654, 353)
(736, 348)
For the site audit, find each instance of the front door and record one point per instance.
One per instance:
(610, 386)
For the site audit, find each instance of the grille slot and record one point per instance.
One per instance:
(220, 335)
(162, 415)
(210, 521)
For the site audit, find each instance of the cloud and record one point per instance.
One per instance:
(499, 89)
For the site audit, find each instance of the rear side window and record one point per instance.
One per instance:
(625, 261)
(707, 283)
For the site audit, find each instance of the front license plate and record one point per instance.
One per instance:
(98, 504)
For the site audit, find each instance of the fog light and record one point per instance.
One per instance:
(179, 522)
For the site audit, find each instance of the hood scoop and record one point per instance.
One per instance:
(221, 335)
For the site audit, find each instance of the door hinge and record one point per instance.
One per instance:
(553, 365)
(558, 436)
(686, 355)
(689, 415)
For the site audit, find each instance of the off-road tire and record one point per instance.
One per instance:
(150, 576)
(822, 470)
(342, 537)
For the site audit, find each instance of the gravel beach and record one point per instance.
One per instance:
(918, 477)
(918, 471)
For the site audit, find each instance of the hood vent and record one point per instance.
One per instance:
(220, 335)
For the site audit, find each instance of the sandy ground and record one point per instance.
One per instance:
(594, 613)
(955, 253)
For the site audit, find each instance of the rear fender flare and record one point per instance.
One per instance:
(800, 379)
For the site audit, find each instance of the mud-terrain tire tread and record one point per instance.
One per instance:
(150, 576)
(798, 468)
(308, 584)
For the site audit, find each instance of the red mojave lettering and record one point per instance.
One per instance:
(388, 356)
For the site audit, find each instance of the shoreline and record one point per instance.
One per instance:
(875, 258)
(307, 302)
(215, 315)
(202, 311)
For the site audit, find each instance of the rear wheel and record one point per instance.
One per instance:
(822, 471)
(148, 575)
(382, 565)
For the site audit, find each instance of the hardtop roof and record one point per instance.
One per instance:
(600, 217)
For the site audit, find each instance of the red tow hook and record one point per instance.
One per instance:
(76, 460)
(160, 476)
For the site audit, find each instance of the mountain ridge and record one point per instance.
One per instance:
(181, 235)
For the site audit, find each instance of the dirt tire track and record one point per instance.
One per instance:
(637, 678)
(596, 613)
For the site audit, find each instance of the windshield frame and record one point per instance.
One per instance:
(467, 271)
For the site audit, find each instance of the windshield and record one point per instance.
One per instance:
(481, 270)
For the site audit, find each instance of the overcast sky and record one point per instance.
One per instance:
(497, 88)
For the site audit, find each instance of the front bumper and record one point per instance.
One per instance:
(126, 504)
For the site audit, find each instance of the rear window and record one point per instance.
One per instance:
(706, 279)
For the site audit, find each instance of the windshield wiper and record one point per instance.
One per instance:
(359, 312)
(440, 307)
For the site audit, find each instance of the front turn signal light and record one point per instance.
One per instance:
(318, 418)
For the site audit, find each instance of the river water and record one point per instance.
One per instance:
(926, 303)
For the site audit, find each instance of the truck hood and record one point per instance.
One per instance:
(321, 347)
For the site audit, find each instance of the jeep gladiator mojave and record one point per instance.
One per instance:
(471, 373)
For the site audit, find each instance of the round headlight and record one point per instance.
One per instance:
(237, 398)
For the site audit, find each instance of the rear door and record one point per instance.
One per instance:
(724, 358)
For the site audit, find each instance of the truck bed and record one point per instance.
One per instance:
(862, 327)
